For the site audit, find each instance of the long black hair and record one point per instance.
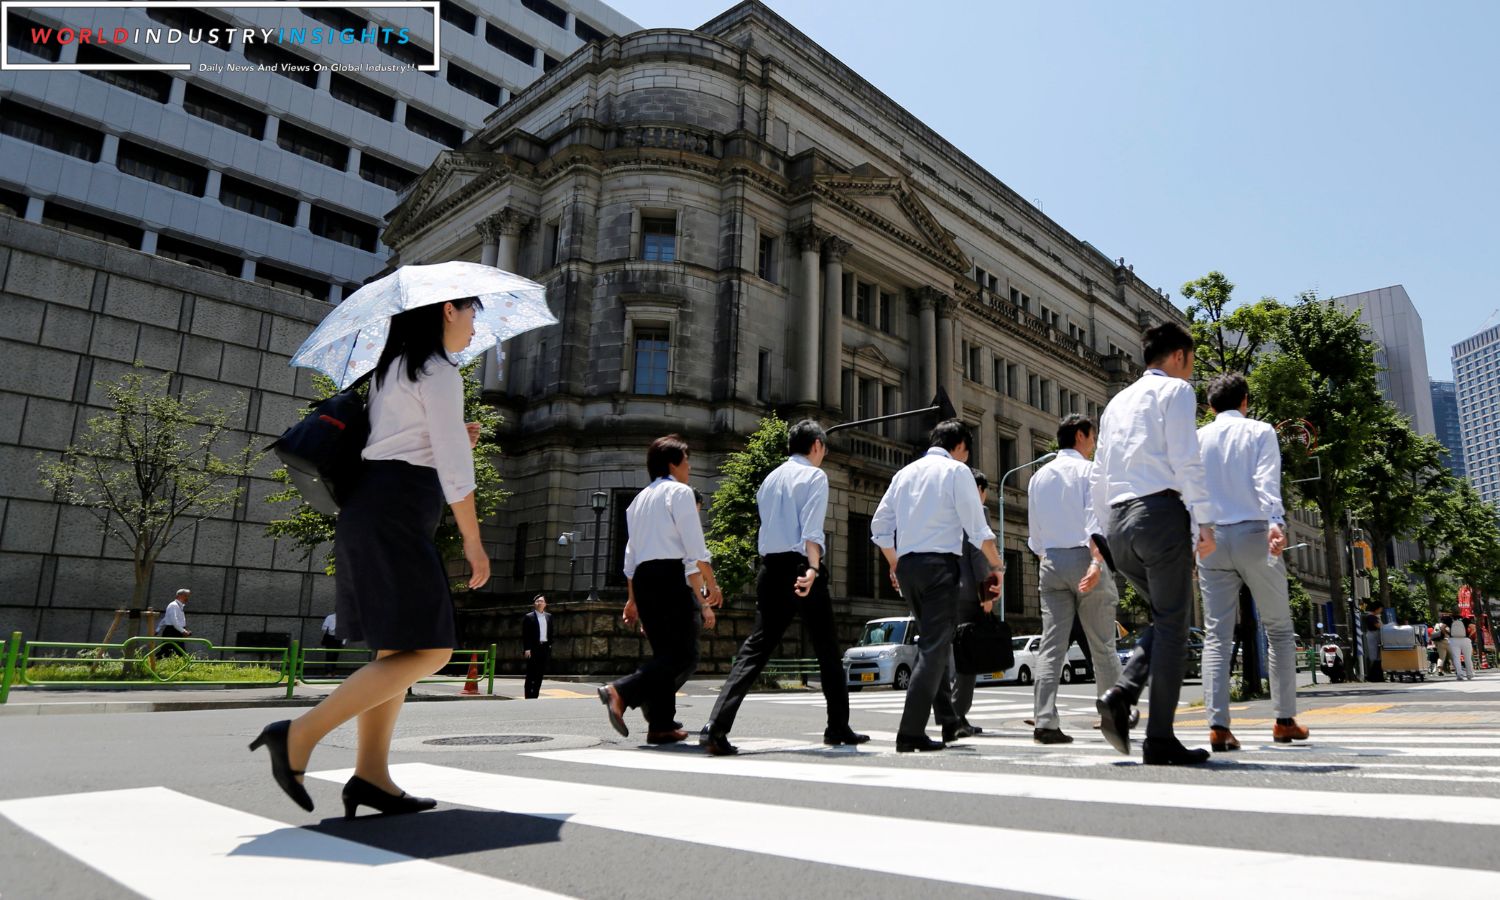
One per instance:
(417, 336)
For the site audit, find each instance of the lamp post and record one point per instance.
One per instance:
(569, 539)
(1000, 535)
(599, 500)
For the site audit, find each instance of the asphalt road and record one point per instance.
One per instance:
(1398, 792)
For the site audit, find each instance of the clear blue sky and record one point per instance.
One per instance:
(1341, 146)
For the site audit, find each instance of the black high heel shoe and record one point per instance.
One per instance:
(359, 792)
(273, 736)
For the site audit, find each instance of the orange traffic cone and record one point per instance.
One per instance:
(471, 684)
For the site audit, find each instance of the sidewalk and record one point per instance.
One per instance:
(37, 701)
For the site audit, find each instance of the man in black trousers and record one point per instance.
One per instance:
(793, 501)
(536, 643)
(927, 514)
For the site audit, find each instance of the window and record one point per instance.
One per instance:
(652, 355)
(283, 62)
(47, 130)
(981, 277)
(846, 389)
(551, 244)
(459, 16)
(90, 225)
(257, 201)
(1033, 391)
(619, 534)
(1008, 457)
(587, 32)
(869, 399)
(411, 53)
(763, 376)
(659, 238)
(997, 367)
(12, 203)
(1015, 296)
(189, 19)
(864, 302)
(287, 280)
(549, 11)
(548, 63)
(335, 18)
(386, 174)
(434, 129)
(346, 230)
(504, 40)
(1012, 381)
(1015, 601)
(861, 554)
(196, 255)
(887, 307)
(765, 264)
(360, 96)
(518, 565)
(1046, 395)
(161, 168)
(473, 85)
(315, 147)
(890, 402)
(18, 36)
(153, 85)
(976, 364)
(223, 112)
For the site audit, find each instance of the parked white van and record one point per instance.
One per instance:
(885, 655)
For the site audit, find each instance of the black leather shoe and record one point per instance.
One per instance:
(919, 744)
(956, 731)
(973, 729)
(716, 744)
(358, 792)
(1114, 718)
(273, 736)
(847, 736)
(1050, 736)
(1173, 754)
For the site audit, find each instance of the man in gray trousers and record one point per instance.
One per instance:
(1147, 476)
(932, 508)
(1074, 581)
(1242, 464)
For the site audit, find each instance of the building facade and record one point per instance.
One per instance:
(730, 222)
(1449, 429)
(282, 177)
(1476, 381)
(1402, 352)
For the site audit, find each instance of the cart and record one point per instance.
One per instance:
(1400, 657)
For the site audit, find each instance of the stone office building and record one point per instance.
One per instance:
(730, 221)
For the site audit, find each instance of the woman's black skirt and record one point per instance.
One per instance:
(391, 586)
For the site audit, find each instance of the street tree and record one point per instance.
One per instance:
(312, 531)
(734, 523)
(1323, 372)
(153, 466)
(1393, 481)
(1229, 338)
(1464, 534)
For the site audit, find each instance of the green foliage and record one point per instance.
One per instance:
(1228, 340)
(175, 669)
(734, 525)
(152, 467)
(311, 530)
(1464, 533)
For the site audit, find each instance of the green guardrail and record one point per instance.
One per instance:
(152, 662)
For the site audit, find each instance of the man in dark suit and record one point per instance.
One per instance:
(536, 641)
(973, 585)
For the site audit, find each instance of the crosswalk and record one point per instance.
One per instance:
(788, 801)
(995, 708)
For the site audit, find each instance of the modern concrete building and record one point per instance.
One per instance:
(281, 177)
(1449, 429)
(1397, 328)
(1476, 380)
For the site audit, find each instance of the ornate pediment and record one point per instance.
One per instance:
(453, 179)
(889, 203)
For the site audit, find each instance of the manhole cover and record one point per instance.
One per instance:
(475, 740)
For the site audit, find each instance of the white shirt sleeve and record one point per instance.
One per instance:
(813, 512)
(442, 393)
(685, 516)
(1268, 477)
(883, 525)
(629, 559)
(1180, 416)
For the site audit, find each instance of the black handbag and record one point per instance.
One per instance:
(983, 646)
(321, 452)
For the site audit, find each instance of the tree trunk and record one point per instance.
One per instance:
(138, 596)
(1378, 543)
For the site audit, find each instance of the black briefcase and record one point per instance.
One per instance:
(983, 646)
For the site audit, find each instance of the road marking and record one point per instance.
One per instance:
(1316, 746)
(214, 850)
(1226, 798)
(565, 694)
(1030, 862)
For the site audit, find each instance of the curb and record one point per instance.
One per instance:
(95, 707)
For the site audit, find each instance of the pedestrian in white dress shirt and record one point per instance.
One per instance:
(670, 583)
(926, 515)
(1148, 476)
(174, 623)
(1075, 583)
(392, 587)
(1242, 465)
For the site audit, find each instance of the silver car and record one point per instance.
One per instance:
(885, 655)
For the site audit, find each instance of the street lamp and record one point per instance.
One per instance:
(1000, 535)
(569, 539)
(599, 500)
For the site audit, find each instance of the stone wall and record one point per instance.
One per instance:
(75, 312)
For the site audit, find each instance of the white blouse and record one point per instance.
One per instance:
(422, 422)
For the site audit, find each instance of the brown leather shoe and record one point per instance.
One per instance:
(665, 737)
(1222, 740)
(1285, 734)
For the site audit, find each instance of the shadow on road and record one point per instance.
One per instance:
(429, 835)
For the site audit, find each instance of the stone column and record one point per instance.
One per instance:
(944, 310)
(926, 347)
(489, 235)
(503, 248)
(808, 318)
(834, 249)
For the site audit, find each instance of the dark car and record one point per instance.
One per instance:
(1194, 668)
